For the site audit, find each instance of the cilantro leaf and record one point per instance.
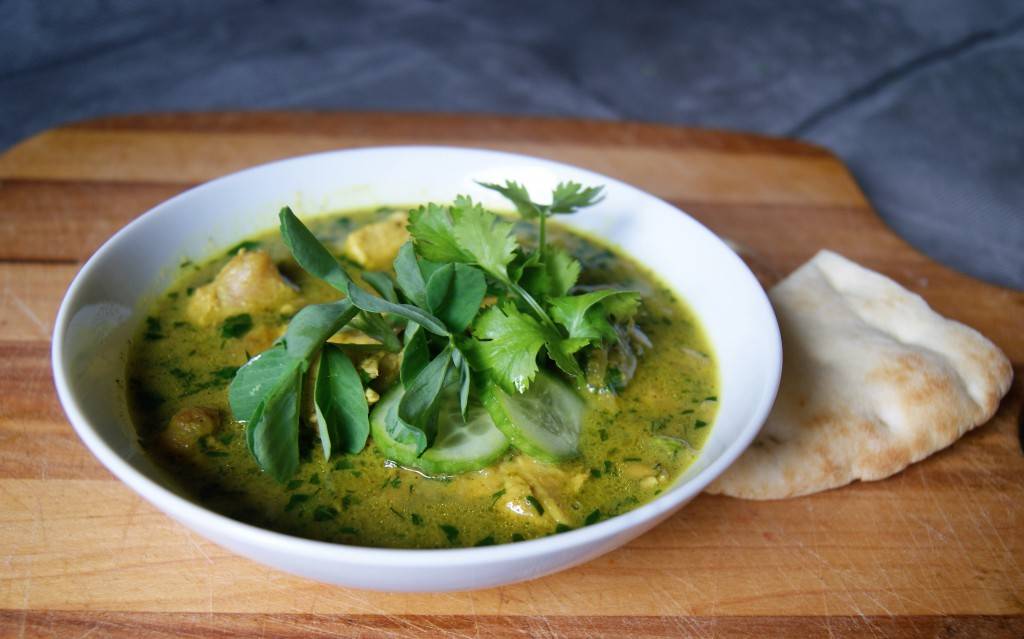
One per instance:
(519, 196)
(561, 351)
(431, 228)
(554, 276)
(562, 271)
(507, 345)
(483, 236)
(586, 316)
(569, 197)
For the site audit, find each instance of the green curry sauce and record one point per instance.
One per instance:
(633, 444)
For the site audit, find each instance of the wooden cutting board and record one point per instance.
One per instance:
(936, 550)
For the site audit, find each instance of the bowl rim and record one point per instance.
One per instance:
(183, 509)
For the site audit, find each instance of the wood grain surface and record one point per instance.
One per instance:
(937, 550)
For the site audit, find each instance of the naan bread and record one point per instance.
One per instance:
(873, 381)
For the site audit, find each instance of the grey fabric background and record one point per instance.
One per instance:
(923, 99)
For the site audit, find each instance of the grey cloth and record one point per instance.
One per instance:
(924, 100)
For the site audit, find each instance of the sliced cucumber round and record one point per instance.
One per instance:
(461, 445)
(544, 422)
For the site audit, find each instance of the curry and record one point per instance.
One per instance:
(486, 461)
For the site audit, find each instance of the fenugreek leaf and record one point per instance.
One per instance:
(455, 293)
(416, 354)
(419, 403)
(381, 282)
(311, 255)
(312, 325)
(261, 377)
(410, 278)
(374, 325)
(371, 303)
(273, 433)
(341, 409)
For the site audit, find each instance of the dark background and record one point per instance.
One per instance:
(924, 100)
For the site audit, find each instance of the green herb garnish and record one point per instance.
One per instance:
(451, 532)
(536, 504)
(324, 513)
(153, 329)
(236, 326)
(458, 254)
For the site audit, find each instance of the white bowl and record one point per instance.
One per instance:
(110, 295)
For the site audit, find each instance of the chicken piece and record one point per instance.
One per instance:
(516, 498)
(248, 283)
(648, 477)
(187, 426)
(370, 365)
(388, 366)
(636, 470)
(352, 336)
(550, 486)
(376, 245)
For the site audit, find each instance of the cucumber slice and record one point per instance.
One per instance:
(544, 422)
(460, 445)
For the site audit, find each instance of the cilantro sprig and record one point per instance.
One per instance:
(458, 255)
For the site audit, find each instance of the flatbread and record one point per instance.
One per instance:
(873, 380)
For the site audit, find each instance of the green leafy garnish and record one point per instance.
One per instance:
(568, 197)
(324, 513)
(382, 283)
(433, 311)
(260, 379)
(314, 324)
(587, 316)
(507, 343)
(416, 354)
(153, 329)
(341, 409)
(273, 434)
(451, 532)
(419, 403)
(311, 255)
(236, 326)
